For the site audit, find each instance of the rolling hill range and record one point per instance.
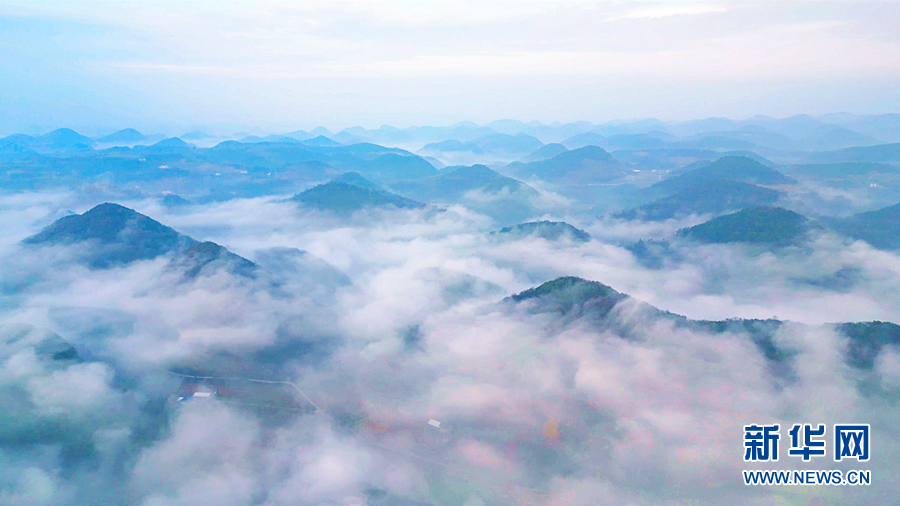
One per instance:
(454, 182)
(207, 258)
(880, 228)
(842, 170)
(60, 140)
(707, 197)
(545, 153)
(479, 188)
(127, 135)
(733, 168)
(586, 165)
(497, 146)
(549, 230)
(574, 301)
(343, 198)
(772, 226)
(227, 170)
(883, 153)
(111, 235)
(116, 236)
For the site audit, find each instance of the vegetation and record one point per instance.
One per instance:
(707, 197)
(756, 225)
(118, 235)
(345, 198)
(549, 230)
(733, 168)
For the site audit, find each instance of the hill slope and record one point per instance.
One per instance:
(880, 228)
(116, 235)
(346, 198)
(708, 197)
(586, 165)
(733, 168)
(546, 152)
(572, 299)
(756, 225)
(454, 182)
(549, 230)
(206, 258)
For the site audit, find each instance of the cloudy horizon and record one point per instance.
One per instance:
(277, 67)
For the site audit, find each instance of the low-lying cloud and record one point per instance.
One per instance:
(535, 409)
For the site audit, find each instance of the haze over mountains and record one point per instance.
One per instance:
(506, 313)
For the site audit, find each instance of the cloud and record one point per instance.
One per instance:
(534, 407)
(664, 11)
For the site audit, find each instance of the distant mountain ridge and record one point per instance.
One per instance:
(589, 164)
(549, 230)
(755, 225)
(707, 197)
(114, 236)
(346, 198)
(121, 234)
(454, 182)
(880, 228)
(574, 299)
(734, 168)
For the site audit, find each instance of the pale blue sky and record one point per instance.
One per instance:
(277, 65)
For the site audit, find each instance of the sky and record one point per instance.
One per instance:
(277, 66)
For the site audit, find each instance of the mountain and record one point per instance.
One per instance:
(549, 230)
(640, 126)
(60, 140)
(495, 144)
(452, 146)
(207, 258)
(842, 170)
(715, 142)
(478, 188)
(320, 140)
(885, 127)
(289, 161)
(569, 295)
(883, 153)
(172, 142)
(867, 339)
(752, 135)
(507, 126)
(756, 225)
(452, 183)
(812, 134)
(391, 166)
(128, 135)
(196, 135)
(880, 228)
(586, 165)
(584, 139)
(519, 144)
(733, 168)
(545, 153)
(346, 198)
(833, 136)
(708, 197)
(255, 139)
(344, 137)
(637, 141)
(573, 300)
(113, 235)
(355, 179)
